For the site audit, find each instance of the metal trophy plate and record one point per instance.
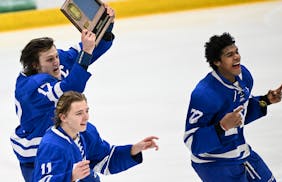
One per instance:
(88, 14)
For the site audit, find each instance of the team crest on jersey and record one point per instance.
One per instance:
(244, 94)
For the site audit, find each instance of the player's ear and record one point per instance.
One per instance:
(217, 63)
(62, 117)
(35, 66)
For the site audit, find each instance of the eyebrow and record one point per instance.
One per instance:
(50, 56)
(230, 51)
(81, 110)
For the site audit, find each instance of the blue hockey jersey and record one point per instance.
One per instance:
(37, 95)
(212, 98)
(58, 153)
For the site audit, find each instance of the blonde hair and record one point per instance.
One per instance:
(64, 104)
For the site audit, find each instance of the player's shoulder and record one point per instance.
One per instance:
(246, 76)
(34, 80)
(245, 70)
(206, 88)
(52, 147)
(71, 53)
(41, 78)
(26, 85)
(91, 134)
(206, 96)
(53, 137)
(90, 130)
(91, 127)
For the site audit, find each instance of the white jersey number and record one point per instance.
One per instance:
(195, 116)
(18, 109)
(46, 168)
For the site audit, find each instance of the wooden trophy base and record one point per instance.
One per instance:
(88, 14)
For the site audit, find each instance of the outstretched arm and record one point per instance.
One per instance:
(145, 144)
(274, 96)
(257, 106)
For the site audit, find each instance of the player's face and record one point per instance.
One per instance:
(49, 62)
(229, 65)
(76, 119)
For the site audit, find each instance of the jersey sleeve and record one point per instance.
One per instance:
(68, 57)
(254, 110)
(200, 135)
(106, 159)
(76, 81)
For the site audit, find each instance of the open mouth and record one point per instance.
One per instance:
(236, 65)
(56, 69)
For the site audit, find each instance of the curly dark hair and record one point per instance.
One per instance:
(213, 48)
(30, 54)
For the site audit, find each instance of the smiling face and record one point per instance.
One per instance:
(49, 62)
(75, 120)
(229, 63)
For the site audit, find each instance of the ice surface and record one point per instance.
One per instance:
(142, 85)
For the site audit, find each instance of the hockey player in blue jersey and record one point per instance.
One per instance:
(47, 73)
(220, 106)
(66, 149)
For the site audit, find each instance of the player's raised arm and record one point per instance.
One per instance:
(88, 41)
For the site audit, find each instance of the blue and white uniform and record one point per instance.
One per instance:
(58, 153)
(36, 97)
(210, 101)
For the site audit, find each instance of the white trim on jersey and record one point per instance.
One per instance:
(46, 178)
(188, 143)
(197, 160)
(25, 142)
(98, 168)
(231, 154)
(24, 152)
(58, 90)
(238, 88)
(60, 134)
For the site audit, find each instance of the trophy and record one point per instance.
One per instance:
(88, 14)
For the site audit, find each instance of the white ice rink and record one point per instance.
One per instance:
(142, 85)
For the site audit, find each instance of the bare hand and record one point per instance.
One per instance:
(80, 170)
(274, 96)
(110, 11)
(232, 119)
(144, 145)
(88, 41)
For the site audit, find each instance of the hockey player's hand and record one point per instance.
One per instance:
(110, 11)
(145, 144)
(232, 119)
(80, 170)
(274, 96)
(88, 41)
